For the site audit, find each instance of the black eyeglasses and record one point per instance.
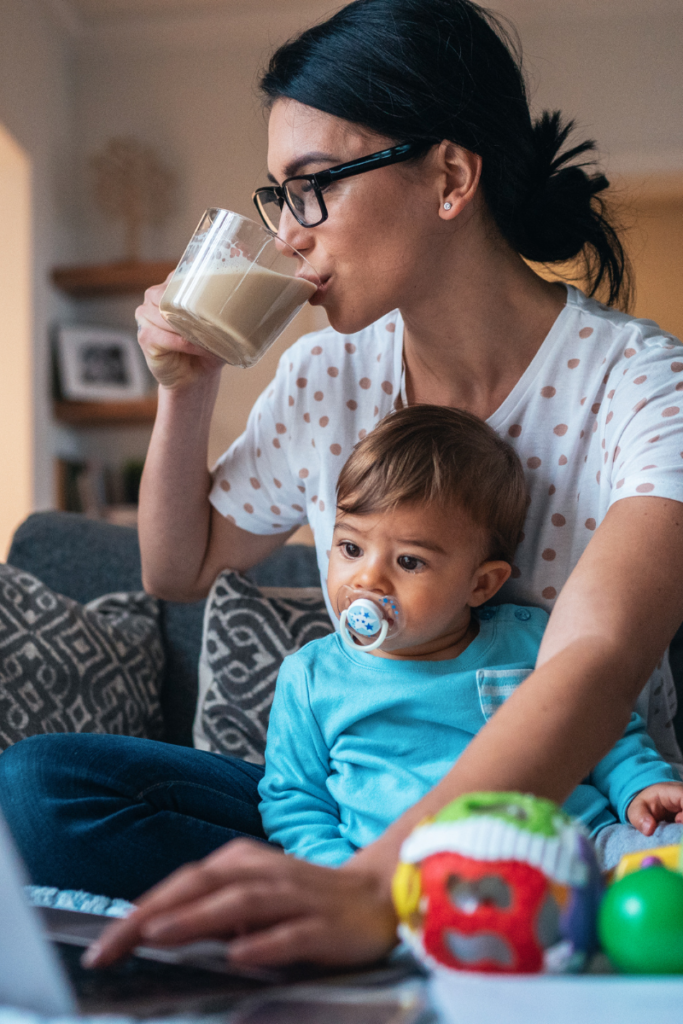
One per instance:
(303, 194)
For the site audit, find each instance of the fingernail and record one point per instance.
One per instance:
(91, 955)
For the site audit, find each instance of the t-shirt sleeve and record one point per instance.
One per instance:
(255, 483)
(632, 764)
(296, 808)
(643, 423)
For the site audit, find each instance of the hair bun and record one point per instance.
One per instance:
(561, 216)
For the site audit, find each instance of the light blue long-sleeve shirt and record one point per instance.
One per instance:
(355, 740)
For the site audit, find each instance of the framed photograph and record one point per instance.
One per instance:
(100, 364)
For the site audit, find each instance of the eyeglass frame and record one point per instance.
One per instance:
(319, 181)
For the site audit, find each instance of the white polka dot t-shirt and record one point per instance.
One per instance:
(596, 417)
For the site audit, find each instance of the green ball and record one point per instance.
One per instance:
(640, 922)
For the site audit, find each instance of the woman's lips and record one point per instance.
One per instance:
(316, 299)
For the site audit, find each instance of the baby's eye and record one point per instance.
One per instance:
(410, 563)
(350, 550)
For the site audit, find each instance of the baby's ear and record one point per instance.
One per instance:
(488, 579)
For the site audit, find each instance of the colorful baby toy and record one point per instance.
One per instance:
(641, 917)
(499, 882)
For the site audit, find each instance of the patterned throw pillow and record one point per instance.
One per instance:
(247, 633)
(66, 667)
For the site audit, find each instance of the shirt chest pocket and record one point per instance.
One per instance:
(495, 686)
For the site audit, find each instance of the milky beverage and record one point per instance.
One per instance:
(236, 310)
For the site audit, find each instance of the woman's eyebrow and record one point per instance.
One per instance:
(309, 158)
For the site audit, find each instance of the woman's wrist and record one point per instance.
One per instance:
(195, 397)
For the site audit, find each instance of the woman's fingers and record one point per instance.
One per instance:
(171, 359)
(280, 910)
(231, 911)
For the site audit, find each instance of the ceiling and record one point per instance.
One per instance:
(94, 14)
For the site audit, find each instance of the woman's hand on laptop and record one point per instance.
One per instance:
(273, 909)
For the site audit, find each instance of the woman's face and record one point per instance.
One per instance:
(383, 232)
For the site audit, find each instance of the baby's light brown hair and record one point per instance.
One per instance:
(430, 454)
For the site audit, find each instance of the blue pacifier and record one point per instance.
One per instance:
(367, 616)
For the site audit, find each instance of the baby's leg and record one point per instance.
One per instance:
(613, 841)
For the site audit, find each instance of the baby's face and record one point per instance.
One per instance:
(431, 559)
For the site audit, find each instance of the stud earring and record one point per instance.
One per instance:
(448, 206)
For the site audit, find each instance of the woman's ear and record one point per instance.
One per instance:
(460, 174)
(487, 581)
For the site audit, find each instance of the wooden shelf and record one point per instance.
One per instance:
(110, 278)
(85, 414)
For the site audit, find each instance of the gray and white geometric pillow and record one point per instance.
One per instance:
(247, 633)
(66, 667)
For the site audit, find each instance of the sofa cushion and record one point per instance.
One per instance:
(66, 667)
(247, 633)
(84, 558)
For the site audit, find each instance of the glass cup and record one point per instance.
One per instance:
(236, 288)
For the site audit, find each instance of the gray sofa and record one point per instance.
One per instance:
(84, 559)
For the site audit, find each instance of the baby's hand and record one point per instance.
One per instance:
(662, 802)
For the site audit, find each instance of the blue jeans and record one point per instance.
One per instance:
(114, 815)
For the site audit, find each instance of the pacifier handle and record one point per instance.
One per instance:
(347, 639)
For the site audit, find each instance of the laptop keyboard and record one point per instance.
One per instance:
(145, 987)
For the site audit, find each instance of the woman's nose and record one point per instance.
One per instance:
(293, 233)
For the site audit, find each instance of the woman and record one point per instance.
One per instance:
(422, 257)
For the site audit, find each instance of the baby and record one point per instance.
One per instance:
(430, 508)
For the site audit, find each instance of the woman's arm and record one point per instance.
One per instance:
(612, 622)
(184, 542)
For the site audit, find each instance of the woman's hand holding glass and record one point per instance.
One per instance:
(174, 362)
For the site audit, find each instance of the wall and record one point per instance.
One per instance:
(35, 107)
(188, 90)
(187, 86)
(16, 362)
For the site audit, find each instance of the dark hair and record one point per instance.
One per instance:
(434, 455)
(429, 70)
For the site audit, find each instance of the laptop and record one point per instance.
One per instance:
(40, 971)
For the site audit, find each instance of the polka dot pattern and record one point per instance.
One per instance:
(577, 420)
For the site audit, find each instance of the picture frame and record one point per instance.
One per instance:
(99, 364)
